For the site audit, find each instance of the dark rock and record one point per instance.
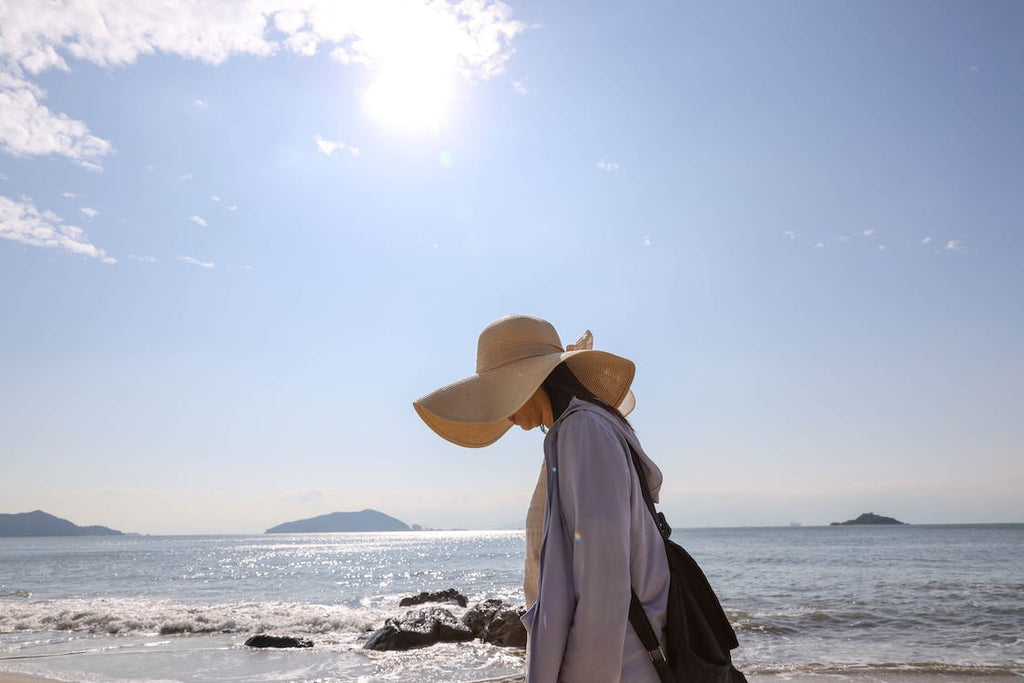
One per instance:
(419, 628)
(869, 518)
(493, 621)
(263, 640)
(450, 595)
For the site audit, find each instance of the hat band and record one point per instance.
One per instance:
(495, 358)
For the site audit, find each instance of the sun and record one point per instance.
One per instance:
(410, 97)
(416, 62)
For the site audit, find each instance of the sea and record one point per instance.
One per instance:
(946, 602)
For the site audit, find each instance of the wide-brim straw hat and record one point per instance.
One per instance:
(514, 356)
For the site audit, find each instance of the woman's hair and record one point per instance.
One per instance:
(562, 385)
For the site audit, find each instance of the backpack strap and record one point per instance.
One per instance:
(659, 518)
(644, 630)
(637, 617)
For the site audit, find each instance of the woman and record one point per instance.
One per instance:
(590, 536)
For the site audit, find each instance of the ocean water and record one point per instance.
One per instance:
(836, 601)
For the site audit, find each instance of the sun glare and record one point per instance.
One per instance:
(416, 63)
(409, 98)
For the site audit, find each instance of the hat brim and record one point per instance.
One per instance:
(474, 412)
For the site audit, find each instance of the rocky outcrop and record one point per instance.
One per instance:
(419, 628)
(493, 621)
(868, 518)
(450, 596)
(263, 640)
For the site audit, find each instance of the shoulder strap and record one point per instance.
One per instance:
(644, 630)
(659, 518)
(637, 617)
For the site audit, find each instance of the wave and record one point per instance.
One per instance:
(888, 671)
(139, 616)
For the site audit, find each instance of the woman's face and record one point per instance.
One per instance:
(535, 412)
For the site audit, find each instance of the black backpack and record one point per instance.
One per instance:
(698, 636)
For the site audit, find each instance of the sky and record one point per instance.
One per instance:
(240, 238)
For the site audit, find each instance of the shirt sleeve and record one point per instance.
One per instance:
(594, 481)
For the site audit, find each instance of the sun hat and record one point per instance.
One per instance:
(514, 356)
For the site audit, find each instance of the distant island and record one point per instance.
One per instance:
(869, 518)
(39, 523)
(364, 520)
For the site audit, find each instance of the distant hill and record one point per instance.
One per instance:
(365, 520)
(869, 518)
(40, 523)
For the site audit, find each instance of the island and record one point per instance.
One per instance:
(39, 523)
(364, 520)
(868, 518)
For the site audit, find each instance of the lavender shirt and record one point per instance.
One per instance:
(599, 539)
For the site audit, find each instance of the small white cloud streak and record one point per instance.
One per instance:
(214, 198)
(233, 207)
(927, 240)
(142, 258)
(819, 245)
(198, 220)
(957, 246)
(21, 221)
(69, 195)
(791, 234)
(868, 233)
(520, 87)
(185, 178)
(89, 211)
(328, 147)
(196, 262)
(199, 103)
(609, 166)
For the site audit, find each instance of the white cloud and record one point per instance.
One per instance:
(198, 220)
(199, 103)
(868, 233)
(927, 240)
(89, 211)
(233, 207)
(471, 38)
(142, 258)
(28, 127)
(21, 221)
(791, 234)
(520, 87)
(819, 245)
(882, 247)
(196, 262)
(214, 198)
(4, 178)
(89, 165)
(68, 195)
(610, 166)
(185, 178)
(647, 241)
(957, 246)
(328, 147)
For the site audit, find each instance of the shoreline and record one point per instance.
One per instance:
(865, 676)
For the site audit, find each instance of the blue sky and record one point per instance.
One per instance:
(240, 238)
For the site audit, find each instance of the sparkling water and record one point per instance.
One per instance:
(941, 599)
